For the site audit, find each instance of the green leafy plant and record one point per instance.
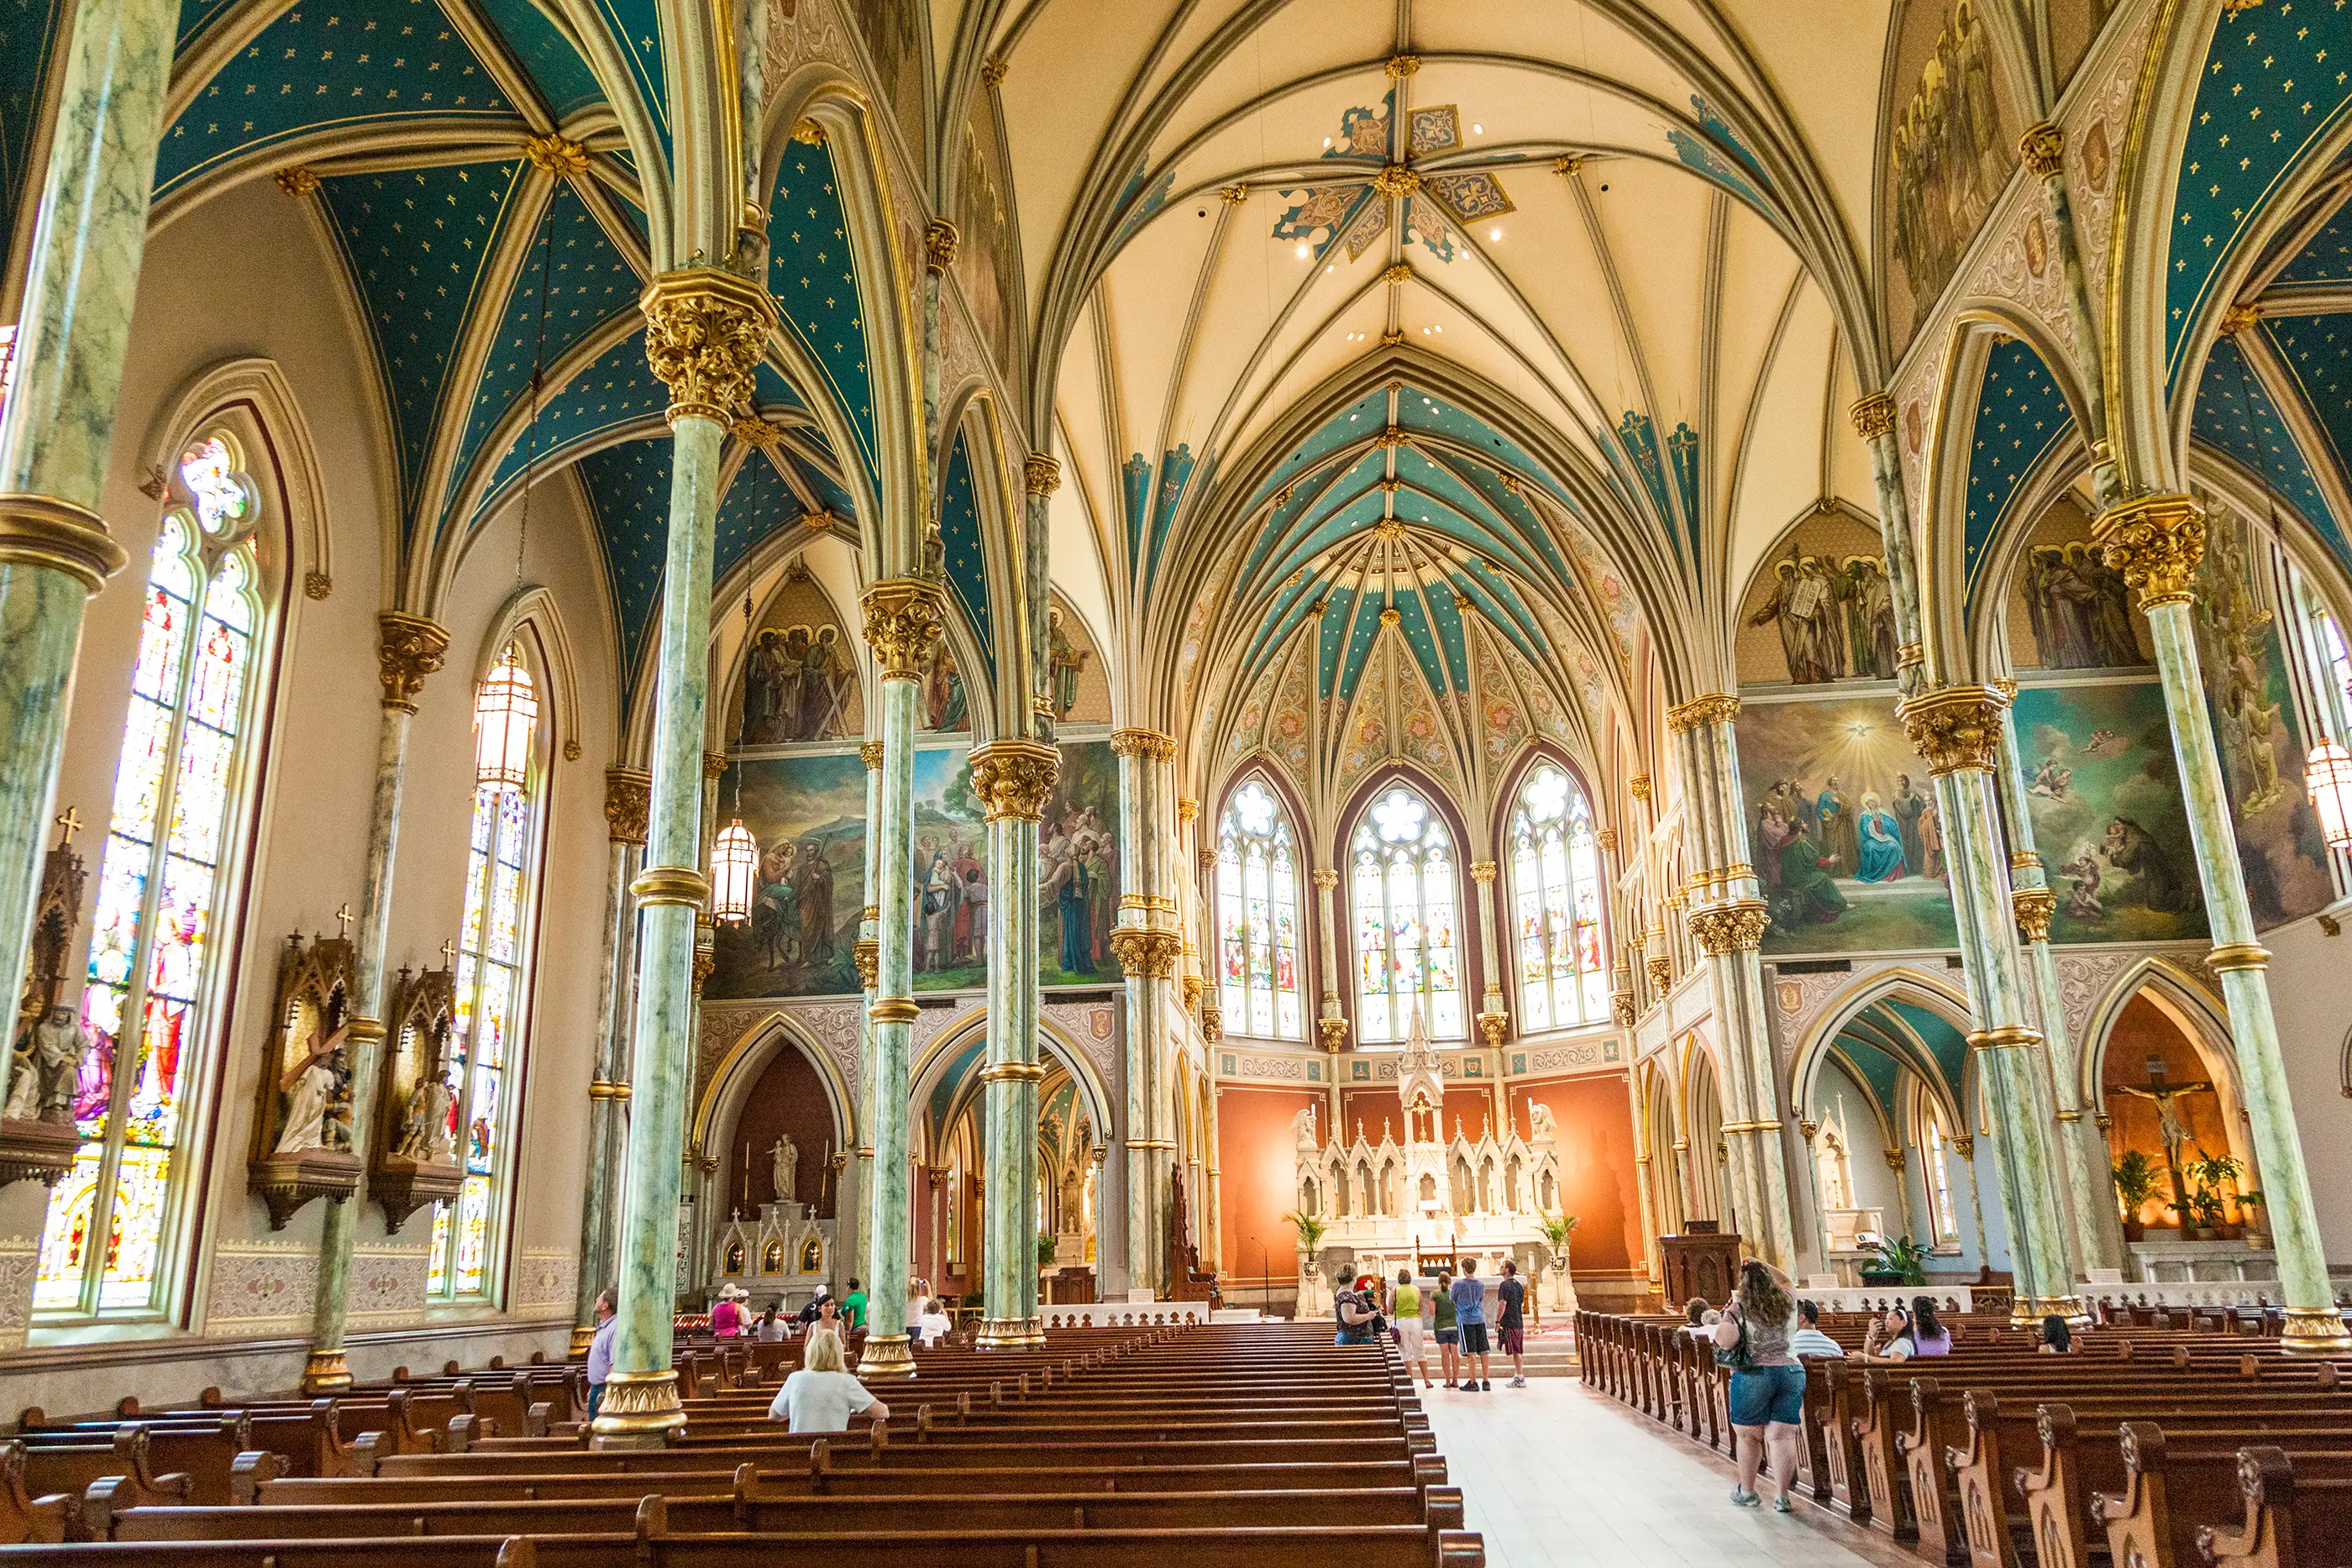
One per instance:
(1557, 1229)
(2135, 1177)
(1310, 1231)
(2210, 1175)
(1045, 1244)
(1901, 1257)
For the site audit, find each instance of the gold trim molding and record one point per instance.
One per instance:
(2231, 957)
(892, 1009)
(675, 884)
(1012, 1073)
(43, 531)
(2004, 1037)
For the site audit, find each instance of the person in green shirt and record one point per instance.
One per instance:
(1405, 1306)
(1449, 1331)
(853, 1306)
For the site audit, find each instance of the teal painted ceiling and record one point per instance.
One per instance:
(967, 562)
(2274, 83)
(586, 286)
(2328, 258)
(565, 84)
(814, 279)
(1888, 1038)
(617, 393)
(2235, 414)
(1435, 525)
(628, 489)
(2021, 414)
(759, 503)
(29, 40)
(418, 242)
(341, 66)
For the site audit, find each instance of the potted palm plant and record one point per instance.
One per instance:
(1899, 1261)
(1311, 1230)
(2135, 1177)
(2212, 1174)
(1557, 1229)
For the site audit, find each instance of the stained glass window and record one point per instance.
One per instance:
(1405, 893)
(489, 999)
(170, 829)
(1556, 904)
(1257, 917)
(1939, 1185)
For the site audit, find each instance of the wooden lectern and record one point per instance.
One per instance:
(1700, 1262)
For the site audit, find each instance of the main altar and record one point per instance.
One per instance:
(1431, 1199)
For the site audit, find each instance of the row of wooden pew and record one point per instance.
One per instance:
(1260, 1446)
(2160, 1442)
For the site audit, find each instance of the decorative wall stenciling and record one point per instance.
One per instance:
(265, 1287)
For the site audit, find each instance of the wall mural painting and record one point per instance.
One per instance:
(1075, 673)
(2104, 795)
(940, 696)
(800, 678)
(808, 814)
(2247, 691)
(2072, 25)
(1952, 139)
(1822, 610)
(1846, 836)
(2068, 608)
(987, 263)
(893, 31)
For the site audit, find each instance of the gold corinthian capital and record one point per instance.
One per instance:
(705, 330)
(628, 796)
(408, 648)
(1015, 777)
(1713, 707)
(2156, 541)
(1143, 743)
(1954, 728)
(904, 618)
(2033, 906)
(1872, 416)
(1734, 927)
(1041, 474)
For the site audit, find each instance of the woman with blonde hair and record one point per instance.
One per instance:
(823, 1396)
(1768, 1381)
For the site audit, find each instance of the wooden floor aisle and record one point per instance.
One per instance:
(1558, 1477)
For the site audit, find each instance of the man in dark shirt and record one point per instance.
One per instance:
(1510, 1325)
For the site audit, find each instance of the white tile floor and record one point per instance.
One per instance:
(1555, 1476)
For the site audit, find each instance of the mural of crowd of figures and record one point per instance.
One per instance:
(2251, 695)
(807, 812)
(1844, 830)
(1823, 609)
(1952, 141)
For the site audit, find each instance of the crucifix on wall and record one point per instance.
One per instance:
(2169, 1127)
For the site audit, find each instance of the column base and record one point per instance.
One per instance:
(2027, 1312)
(582, 1338)
(886, 1357)
(325, 1372)
(2315, 1331)
(639, 1410)
(1010, 1333)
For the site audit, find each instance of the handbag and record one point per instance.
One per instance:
(1738, 1356)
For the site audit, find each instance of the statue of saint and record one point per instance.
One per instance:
(1302, 1128)
(785, 1165)
(1539, 1122)
(42, 1077)
(425, 1130)
(312, 1086)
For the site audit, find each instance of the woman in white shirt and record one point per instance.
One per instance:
(821, 1395)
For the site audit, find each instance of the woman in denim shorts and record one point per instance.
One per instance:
(1768, 1391)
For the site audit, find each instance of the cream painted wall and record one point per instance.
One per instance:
(2308, 997)
(241, 280)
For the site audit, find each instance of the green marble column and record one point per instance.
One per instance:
(2097, 1237)
(2156, 541)
(903, 620)
(626, 796)
(705, 330)
(1956, 729)
(1147, 943)
(408, 649)
(72, 334)
(1013, 779)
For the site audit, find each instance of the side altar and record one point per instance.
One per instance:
(1429, 1199)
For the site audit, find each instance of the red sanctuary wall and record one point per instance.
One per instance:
(1474, 1104)
(1255, 1166)
(788, 1098)
(1593, 1123)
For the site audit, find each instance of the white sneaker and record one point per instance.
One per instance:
(1518, 1382)
(1744, 1499)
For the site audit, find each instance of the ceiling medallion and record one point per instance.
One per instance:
(1375, 156)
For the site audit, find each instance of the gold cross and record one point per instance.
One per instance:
(448, 954)
(343, 920)
(71, 822)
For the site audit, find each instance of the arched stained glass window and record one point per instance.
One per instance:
(1404, 889)
(1939, 1177)
(159, 899)
(1556, 900)
(499, 866)
(1257, 917)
